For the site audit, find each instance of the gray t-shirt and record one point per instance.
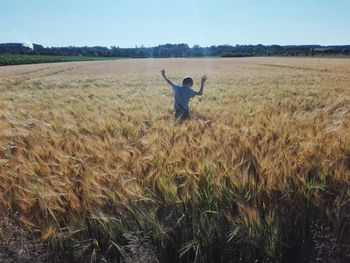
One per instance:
(182, 97)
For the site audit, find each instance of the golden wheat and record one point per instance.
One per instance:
(96, 142)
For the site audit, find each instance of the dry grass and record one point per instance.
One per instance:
(89, 153)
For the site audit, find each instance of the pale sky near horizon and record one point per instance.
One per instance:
(151, 22)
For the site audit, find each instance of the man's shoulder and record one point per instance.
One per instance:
(176, 86)
(190, 91)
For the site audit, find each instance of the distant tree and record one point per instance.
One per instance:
(177, 50)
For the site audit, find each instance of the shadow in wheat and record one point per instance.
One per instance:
(140, 248)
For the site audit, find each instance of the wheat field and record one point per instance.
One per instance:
(94, 169)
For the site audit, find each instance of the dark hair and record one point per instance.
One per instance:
(187, 81)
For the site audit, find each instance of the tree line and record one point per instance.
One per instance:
(178, 50)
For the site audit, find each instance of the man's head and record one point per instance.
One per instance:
(187, 82)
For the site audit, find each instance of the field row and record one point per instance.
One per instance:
(6, 60)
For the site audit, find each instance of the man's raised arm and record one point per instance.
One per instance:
(203, 80)
(166, 79)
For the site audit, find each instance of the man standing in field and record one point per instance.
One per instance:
(183, 94)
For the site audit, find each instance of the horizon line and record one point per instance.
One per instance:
(191, 46)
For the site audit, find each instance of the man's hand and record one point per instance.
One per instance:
(204, 79)
(167, 80)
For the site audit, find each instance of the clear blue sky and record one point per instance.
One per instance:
(127, 23)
